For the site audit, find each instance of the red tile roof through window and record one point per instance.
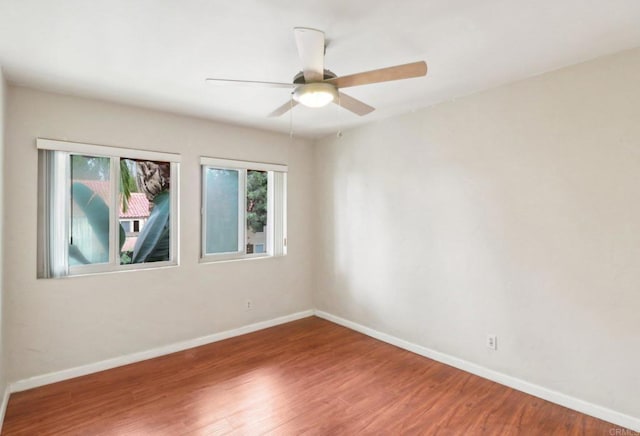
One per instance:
(138, 203)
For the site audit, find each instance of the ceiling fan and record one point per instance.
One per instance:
(316, 86)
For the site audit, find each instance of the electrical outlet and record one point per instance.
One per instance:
(492, 342)
(248, 305)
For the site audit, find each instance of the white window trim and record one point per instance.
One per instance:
(276, 219)
(113, 153)
(242, 165)
(104, 150)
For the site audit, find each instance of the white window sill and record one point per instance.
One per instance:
(124, 269)
(234, 258)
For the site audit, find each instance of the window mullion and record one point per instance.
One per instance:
(270, 213)
(114, 215)
(242, 212)
(174, 214)
(203, 211)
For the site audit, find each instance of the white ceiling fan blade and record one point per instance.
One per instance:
(398, 72)
(310, 44)
(249, 83)
(284, 108)
(354, 105)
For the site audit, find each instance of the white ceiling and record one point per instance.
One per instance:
(157, 53)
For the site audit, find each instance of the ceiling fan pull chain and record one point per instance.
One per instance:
(291, 116)
(339, 132)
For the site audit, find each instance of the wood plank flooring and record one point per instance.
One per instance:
(305, 377)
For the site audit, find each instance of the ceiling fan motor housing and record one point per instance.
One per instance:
(314, 94)
(298, 79)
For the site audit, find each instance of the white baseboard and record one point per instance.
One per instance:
(90, 368)
(3, 406)
(570, 402)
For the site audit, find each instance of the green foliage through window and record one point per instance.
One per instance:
(256, 200)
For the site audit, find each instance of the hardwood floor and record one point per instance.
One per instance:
(305, 377)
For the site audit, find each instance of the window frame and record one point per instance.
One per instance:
(276, 221)
(114, 154)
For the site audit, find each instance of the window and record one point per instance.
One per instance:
(93, 200)
(243, 209)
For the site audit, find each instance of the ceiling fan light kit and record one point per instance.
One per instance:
(317, 94)
(316, 87)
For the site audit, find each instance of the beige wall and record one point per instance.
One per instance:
(56, 324)
(515, 212)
